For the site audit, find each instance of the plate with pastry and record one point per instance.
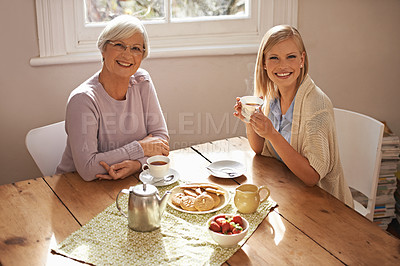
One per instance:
(198, 198)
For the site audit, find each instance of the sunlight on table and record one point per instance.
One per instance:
(277, 227)
(57, 259)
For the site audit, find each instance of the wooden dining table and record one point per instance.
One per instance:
(308, 227)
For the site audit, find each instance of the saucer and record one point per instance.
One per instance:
(222, 168)
(145, 177)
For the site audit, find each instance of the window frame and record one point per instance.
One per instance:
(58, 19)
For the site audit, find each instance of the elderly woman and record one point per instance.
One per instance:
(297, 123)
(113, 119)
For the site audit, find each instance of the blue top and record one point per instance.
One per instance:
(282, 123)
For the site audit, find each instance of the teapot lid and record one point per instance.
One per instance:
(144, 189)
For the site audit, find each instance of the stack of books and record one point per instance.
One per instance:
(387, 185)
(397, 198)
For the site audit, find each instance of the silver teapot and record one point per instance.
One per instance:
(145, 207)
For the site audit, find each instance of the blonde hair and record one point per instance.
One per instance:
(263, 85)
(123, 27)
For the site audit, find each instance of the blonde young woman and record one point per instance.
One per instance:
(296, 124)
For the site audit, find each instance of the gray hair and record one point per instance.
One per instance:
(123, 27)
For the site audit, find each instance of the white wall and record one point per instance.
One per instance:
(352, 45)
(354, 54)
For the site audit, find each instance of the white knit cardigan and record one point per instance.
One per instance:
(314, 137)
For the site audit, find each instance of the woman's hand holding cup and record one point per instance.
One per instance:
(238, 109)
(246, 106)
(250, 104)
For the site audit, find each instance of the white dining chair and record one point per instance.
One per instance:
(46, 145)
(360, 142)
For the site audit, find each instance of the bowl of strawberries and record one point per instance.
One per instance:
(227, 229)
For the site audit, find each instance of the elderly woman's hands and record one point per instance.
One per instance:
(150, 145)
(154, 146)
(119, 170)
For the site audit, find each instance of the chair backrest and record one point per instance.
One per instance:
(360, 142)
(46, 146)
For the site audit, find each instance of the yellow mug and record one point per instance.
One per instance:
(247, 197)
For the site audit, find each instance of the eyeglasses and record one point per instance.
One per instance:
(120, 47)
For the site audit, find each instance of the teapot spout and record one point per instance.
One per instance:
(163, 201)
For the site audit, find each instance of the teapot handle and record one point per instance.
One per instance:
(126, 191)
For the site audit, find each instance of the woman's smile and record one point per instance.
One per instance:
(124, 64)
(284, 75)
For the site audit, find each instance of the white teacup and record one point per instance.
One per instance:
(158, 166)
(249, 105)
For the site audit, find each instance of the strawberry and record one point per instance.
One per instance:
(236, 230)
(237, 219)
(220, 220)
(215, 227)
(219, 216)
(231, 226)
(225, 227)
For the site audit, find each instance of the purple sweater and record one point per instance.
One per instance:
(100, 128)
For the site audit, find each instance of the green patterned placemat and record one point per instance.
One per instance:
(183, 238)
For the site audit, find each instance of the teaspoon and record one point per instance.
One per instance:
(166, 179)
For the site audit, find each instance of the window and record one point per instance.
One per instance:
(164, 10)
(68, 31)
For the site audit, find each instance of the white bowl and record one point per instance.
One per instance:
(227, 240)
